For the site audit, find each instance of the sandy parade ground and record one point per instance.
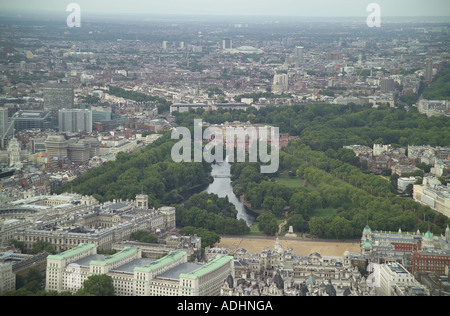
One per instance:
(301, 247)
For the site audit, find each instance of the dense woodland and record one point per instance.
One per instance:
(150, 170)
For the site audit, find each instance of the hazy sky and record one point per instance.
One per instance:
(315, 8)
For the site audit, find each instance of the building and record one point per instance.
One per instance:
(434, 107)
(78, 151)
(75, 120)
(227, 43)
(133, 275)
(7, 278)
(185, 107)
(56, 146)
(416, 252)
(387, 85)
(280, 83)
(279, 272)
(395, 280)
(433, 194)
(429, 70)
(58, 96)
(24, 120)
(298, 53)
(103, 225)
(5, 129)
(402, 183)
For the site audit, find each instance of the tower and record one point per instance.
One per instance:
(141, 201)
(429, 70)
(227, 43)
(298, 52)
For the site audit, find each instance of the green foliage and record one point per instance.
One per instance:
(150, 170)
(210, 212)
(163, 104)
(326, 126)
(144, 236)
(440, 88)
(97, 285)
(208, 237)
(267, 223)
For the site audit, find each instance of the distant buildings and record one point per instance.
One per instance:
(75, 120)
(298, 53)
(429, 70)
(280, 83)
(432, 193)
(5, 129)
(58, 96)
(24, 120)
(434, 107)
(185, 107)
(387, 85)
(227, 43)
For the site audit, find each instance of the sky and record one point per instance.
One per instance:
(312, 8)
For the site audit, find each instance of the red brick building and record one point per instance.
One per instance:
(430, 262)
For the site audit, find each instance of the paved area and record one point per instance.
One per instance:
(300, 247)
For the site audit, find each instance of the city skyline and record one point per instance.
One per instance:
(300, 8)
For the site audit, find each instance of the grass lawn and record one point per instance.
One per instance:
(324, 212)
(290, 182)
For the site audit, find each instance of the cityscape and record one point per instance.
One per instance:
(247, 151)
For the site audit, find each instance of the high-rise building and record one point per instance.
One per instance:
(387, 85)
(75, 120)
(227, 43)
(429, 70)
(56, 146)
(4, 124)
(58, 96)
(280, 83)
(298, 52)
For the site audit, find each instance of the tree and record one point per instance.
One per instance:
(298, 223)
(267, 223)
(97, 285)
(144, 236)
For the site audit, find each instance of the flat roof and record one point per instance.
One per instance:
(172, 256)
(129, 267)
(174, 273)
(115, 257)
(209, 267)
(71, 252)
(85, 262)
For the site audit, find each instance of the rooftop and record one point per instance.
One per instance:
(172, 256)
(174, 273)
(207, 268)
(72, 252)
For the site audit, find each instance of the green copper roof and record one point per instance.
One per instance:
(367, 229)
(367, 243)
(220, 260)
(115, 257)
(71, 252)
(429, 235)
(172, 256)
